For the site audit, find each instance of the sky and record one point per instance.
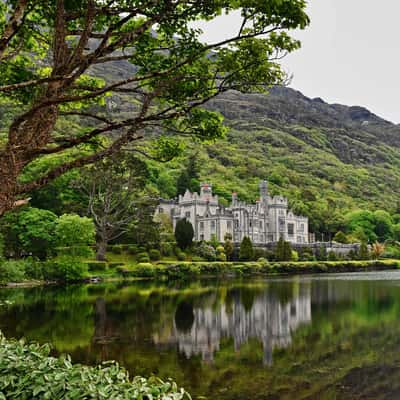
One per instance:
(350, 53)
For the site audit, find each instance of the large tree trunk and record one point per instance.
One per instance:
(101, 250)
(24, 138)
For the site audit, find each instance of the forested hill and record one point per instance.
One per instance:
(328, 158)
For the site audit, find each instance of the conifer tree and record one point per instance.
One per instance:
(184, 233)
(279, 250)
(287, 251)
(246, 252)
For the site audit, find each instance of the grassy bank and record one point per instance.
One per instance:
(191, 269)
(28, 372)
(31, 272)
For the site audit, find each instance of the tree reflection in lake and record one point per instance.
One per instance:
(298, 338)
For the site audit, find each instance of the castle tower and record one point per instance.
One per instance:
(206, 190)
(263, 186)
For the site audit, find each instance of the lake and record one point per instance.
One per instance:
(310, 337)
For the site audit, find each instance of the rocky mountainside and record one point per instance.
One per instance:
(327, 158)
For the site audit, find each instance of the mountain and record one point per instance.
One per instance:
(327, 158)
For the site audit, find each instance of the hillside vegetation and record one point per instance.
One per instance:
(327, 158)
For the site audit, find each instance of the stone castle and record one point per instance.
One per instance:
(264, 222)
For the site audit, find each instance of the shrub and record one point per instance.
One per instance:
(33, 269)
(263, 262)
(143, 257)
(166, 249)
(220, 249)
(197, 259)
(77, 251)
(206, 251)
(221, 257)
(73, 230)
(67, 269)
(133, 249)
(154, 254)
(117, 249)
(97, 265)
(12, 271)
(295, 255)
(114, 264)
(28, 372)
(144, 270)
(181, 256)
(332, 256)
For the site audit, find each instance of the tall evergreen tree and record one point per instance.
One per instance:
(184, 233)
(246, 252)
(189, 177)
(279, 250)
(287, 251)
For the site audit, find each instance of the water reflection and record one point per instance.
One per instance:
(199, 330)
(336, 337)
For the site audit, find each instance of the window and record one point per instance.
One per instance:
(250, 223)
(299, 239)
(290, 228)
(229, 225)
(261, 225)
(236, 223)
(301, 229)
(187, 214)
(213, 225)
(201, 237)
(202, 226)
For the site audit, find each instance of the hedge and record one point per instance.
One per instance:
(28, 372)
(191, 269)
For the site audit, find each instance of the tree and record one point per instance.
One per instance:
(75, 232)
(340, 237)
(246, 252)
(189, 177)
(287, 251)
(280, 249)
(383, 225)
(228, 246)
(361, 220)
(115, 196)
(184, 233)
(36, 231)
(172, 73)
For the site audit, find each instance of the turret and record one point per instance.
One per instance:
(234, 198)
(263, 186)
(206, 190)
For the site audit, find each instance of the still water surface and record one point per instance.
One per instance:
(323, 337)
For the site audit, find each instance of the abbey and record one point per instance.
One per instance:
(263, 222)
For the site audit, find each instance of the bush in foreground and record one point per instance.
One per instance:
(27, 372)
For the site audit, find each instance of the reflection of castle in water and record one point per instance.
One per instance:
(269, 320)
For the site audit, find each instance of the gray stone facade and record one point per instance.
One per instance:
(263, 222)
